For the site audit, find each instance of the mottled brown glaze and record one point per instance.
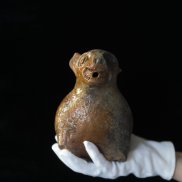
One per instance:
(95, 110)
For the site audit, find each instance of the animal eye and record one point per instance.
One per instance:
(82, 61)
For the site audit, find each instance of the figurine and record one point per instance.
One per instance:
(95, 110)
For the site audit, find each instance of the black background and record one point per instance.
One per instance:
(38, 39)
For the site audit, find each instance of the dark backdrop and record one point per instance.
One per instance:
(39, 38)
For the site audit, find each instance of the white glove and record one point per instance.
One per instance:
(145, 159)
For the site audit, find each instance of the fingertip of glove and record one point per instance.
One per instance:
(87, 144)
(94, 153)
(56, 138)
(55, 147)
(90, 147)
(60, 152)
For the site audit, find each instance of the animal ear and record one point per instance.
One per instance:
(73, 61)
(75, 57)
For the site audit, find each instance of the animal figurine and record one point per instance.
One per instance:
(95, 110)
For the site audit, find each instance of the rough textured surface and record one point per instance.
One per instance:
(95, 110)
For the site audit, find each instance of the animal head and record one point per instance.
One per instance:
(95, 67)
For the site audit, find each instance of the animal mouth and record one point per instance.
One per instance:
(95, 74)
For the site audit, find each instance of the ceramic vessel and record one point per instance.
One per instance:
(95, 110)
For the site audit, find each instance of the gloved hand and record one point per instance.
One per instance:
(145, 159)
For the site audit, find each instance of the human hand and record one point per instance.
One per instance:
(146, 158)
